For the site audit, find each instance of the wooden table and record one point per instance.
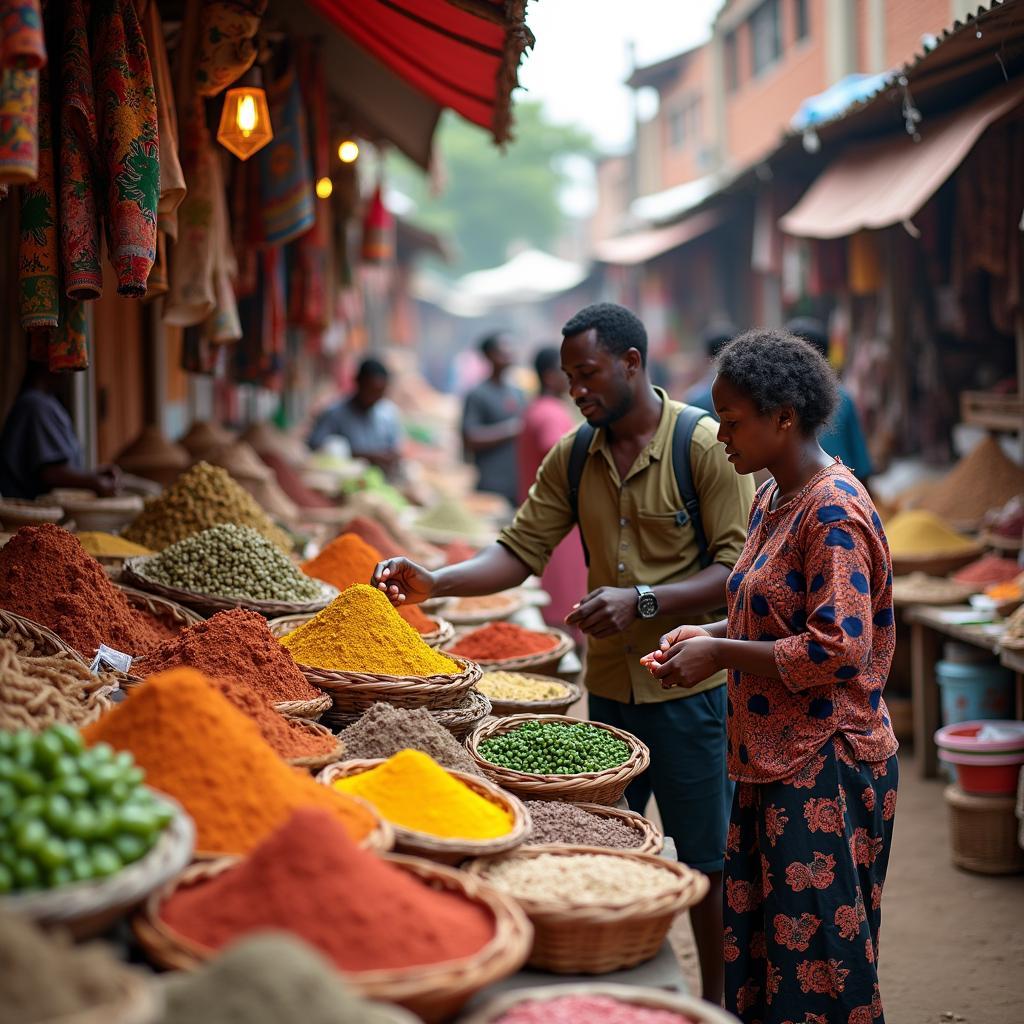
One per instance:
(928, 630)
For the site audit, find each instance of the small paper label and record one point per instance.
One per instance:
(107, 657)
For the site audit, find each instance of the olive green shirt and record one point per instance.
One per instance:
(633, 536)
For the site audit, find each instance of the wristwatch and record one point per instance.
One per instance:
(647, 606)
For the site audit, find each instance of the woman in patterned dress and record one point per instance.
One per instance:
(808, 643)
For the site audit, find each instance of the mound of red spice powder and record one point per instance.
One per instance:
(987, 570)
(499, 640)
(376, 536)
(46, 575)
(309, 878)
(236, 645)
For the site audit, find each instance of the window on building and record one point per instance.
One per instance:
(802, 19)
(732, 62)
(684, 123)
(765, 36)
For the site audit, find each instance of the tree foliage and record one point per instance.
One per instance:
(492, 199)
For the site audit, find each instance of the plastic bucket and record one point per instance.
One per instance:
(983, 766)
(971, 692)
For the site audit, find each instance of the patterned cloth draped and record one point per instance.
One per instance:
(805, 865)
(21, 34)
(68, 347)
(227, 47)
(22, 55)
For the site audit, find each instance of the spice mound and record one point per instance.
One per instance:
(556, 821)
(109, 545)
(238, 646)
(45, 575)
(310, 879)
(920, 588)
(347, 560)
(384, 730)
(587, 878)
(486, 603)
(36, 692)
(988, 570)
(418, 618)
(359, 631)
(586, 1009)
(71, 814)
(194, 745)
(499, 641)
(204, 496)
(919, 532)
(231, 561)
(413, 791)
(551, 748)
(45, 978)
(268, 979)
(376, 536)
(512, 686)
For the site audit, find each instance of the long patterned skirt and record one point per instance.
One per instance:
(804, 871)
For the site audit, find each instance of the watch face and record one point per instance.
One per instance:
(647, 606)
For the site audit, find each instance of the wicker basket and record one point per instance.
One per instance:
(133, 573)
(692, 1008)
(434, 992)
(996, 541)
(604, 787)
(983, 833)
(649, 835)
(317, 761)
(169, 612)
(542, 663)
(937, 564)
(576, 938)
(357, 691)
(44, 638)
(460, 720)
(309, 710)
(555, 706)
(16, 513)
(88, 908)
(436, 848)
(460, 615)
(436, 638)
(138, 1001)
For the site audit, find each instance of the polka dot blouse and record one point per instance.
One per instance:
(815, 576)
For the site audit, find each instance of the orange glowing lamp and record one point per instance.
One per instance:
(245, 121)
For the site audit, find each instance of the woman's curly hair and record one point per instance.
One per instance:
(777, 369)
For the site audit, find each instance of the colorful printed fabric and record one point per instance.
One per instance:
(128, 133)
(38, 248)
(804, 869)
(227, 47)
(79, 213)
(19, 125)
(21, 34)
(815, 577)
(68, 347)
(286, 178)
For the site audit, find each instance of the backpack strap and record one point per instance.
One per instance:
(577, 457)
(686, 422)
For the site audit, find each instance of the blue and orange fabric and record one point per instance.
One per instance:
(22, 55)
(814, 757)
(805, 865)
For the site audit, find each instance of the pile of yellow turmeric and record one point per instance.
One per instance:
(413, 791)
(359, 631)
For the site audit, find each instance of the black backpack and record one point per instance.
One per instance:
(687, 420)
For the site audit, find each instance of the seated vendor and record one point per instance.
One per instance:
(39, 450)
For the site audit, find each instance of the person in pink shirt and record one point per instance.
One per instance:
(547, 419)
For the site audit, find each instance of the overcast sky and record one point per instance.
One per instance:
(581, 57)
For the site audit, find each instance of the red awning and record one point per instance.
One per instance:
(641, 246)
(463, 54)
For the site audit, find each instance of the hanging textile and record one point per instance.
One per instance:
(158, 283)
(22, 54)
(223, 324)
(38, 249)
(378, 241)
(227, 46)
(21, 34)
(864, 263)
(68, 347)
(286, 185)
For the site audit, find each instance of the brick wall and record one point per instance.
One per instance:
(691, 93)
(906, 21)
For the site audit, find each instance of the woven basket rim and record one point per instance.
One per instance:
(638, 749)
(367, 680)
(37, 631)
(996, 540)
(164, 605)
(509, 944)
(168, 856)
(690, 887)
(554, 654)
(315, 762)
(132, 571)
(516, 707)
(414, 839)
(309, 710)
(653, 839)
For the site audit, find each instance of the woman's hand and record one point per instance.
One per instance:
(686, 662)
(403, 581)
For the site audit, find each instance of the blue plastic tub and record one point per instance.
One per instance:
(971, 691)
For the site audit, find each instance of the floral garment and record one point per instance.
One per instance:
(804, 869)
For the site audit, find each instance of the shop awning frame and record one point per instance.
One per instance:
(641, 246)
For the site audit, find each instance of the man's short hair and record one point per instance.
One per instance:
(546, 360)
(617, 328)
(370, 369)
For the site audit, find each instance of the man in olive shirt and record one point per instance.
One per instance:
(629, 504)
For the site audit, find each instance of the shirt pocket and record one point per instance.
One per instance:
(664, 539)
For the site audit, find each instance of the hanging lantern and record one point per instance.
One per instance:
(245, 120)
(378, 231)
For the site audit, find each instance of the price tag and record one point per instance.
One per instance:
(107, 657)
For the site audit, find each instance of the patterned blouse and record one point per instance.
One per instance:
(815, 576)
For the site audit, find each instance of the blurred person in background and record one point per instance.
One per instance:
(368, 420)
(39, 450)
(843, 435)
(547, 420)
(714, 337)
(492, 420)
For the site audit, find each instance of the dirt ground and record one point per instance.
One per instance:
(952, 943)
